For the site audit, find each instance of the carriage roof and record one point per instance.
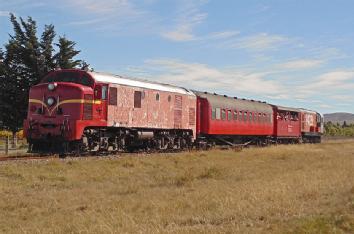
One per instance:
(128, 81)
(221, 101)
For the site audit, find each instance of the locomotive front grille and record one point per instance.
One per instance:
(49, 125)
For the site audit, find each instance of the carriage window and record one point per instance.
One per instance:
(218, 113)
(213, 113)
(235, 115)
(113, 96)
(157, 97)
(229, 115)
(240, 116)
(254, 117)
(259, 117)
(250, 116)
(137, 99)
(104, 92)
(245, 116)
(223, 114)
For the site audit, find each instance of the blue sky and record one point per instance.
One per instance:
(289, 52)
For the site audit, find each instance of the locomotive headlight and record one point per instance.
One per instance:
(52, 86)
(50, 101)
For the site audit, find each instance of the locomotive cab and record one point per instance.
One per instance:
(60, 107)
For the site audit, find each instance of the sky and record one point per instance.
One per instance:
(296, 53)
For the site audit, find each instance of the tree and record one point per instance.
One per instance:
(18, 73)
(47, 60)
(64, 58)
(345, 125)
(24, 62)
(2, 75)
(335, 129)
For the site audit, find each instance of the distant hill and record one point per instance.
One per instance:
(339, 117)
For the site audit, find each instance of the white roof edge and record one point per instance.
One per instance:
(116, 79)
(309, 111)
(288, 108)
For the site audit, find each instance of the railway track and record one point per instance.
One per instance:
(26, 157)
(107, 154)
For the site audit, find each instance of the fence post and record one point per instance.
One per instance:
(7, 141)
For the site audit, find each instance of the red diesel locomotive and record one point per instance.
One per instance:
(79, 111)
(76, 111)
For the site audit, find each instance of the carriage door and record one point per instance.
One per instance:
(100, 105)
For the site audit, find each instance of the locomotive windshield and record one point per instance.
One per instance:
(72, 77)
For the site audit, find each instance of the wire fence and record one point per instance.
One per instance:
(9, 145)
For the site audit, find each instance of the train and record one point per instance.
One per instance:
(74, 111)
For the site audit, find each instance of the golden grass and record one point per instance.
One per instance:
(279, 189)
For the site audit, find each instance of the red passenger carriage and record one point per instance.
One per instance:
(232, 120)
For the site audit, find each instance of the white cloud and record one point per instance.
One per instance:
(330, 86)
(188, 17)
(182, 33)
(301, 64)
(339, 78)
(4, 13)
(328, 53)
(185, 34)
(325, 106)
(87, 22)
(111, 16)
(321, 92)
(222, 35)
(342, 98)
(260, 42)
(104, 6)
(206, 78)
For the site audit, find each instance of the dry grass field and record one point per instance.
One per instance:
(279, 189)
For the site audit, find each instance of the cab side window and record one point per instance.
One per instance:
(104, 92)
